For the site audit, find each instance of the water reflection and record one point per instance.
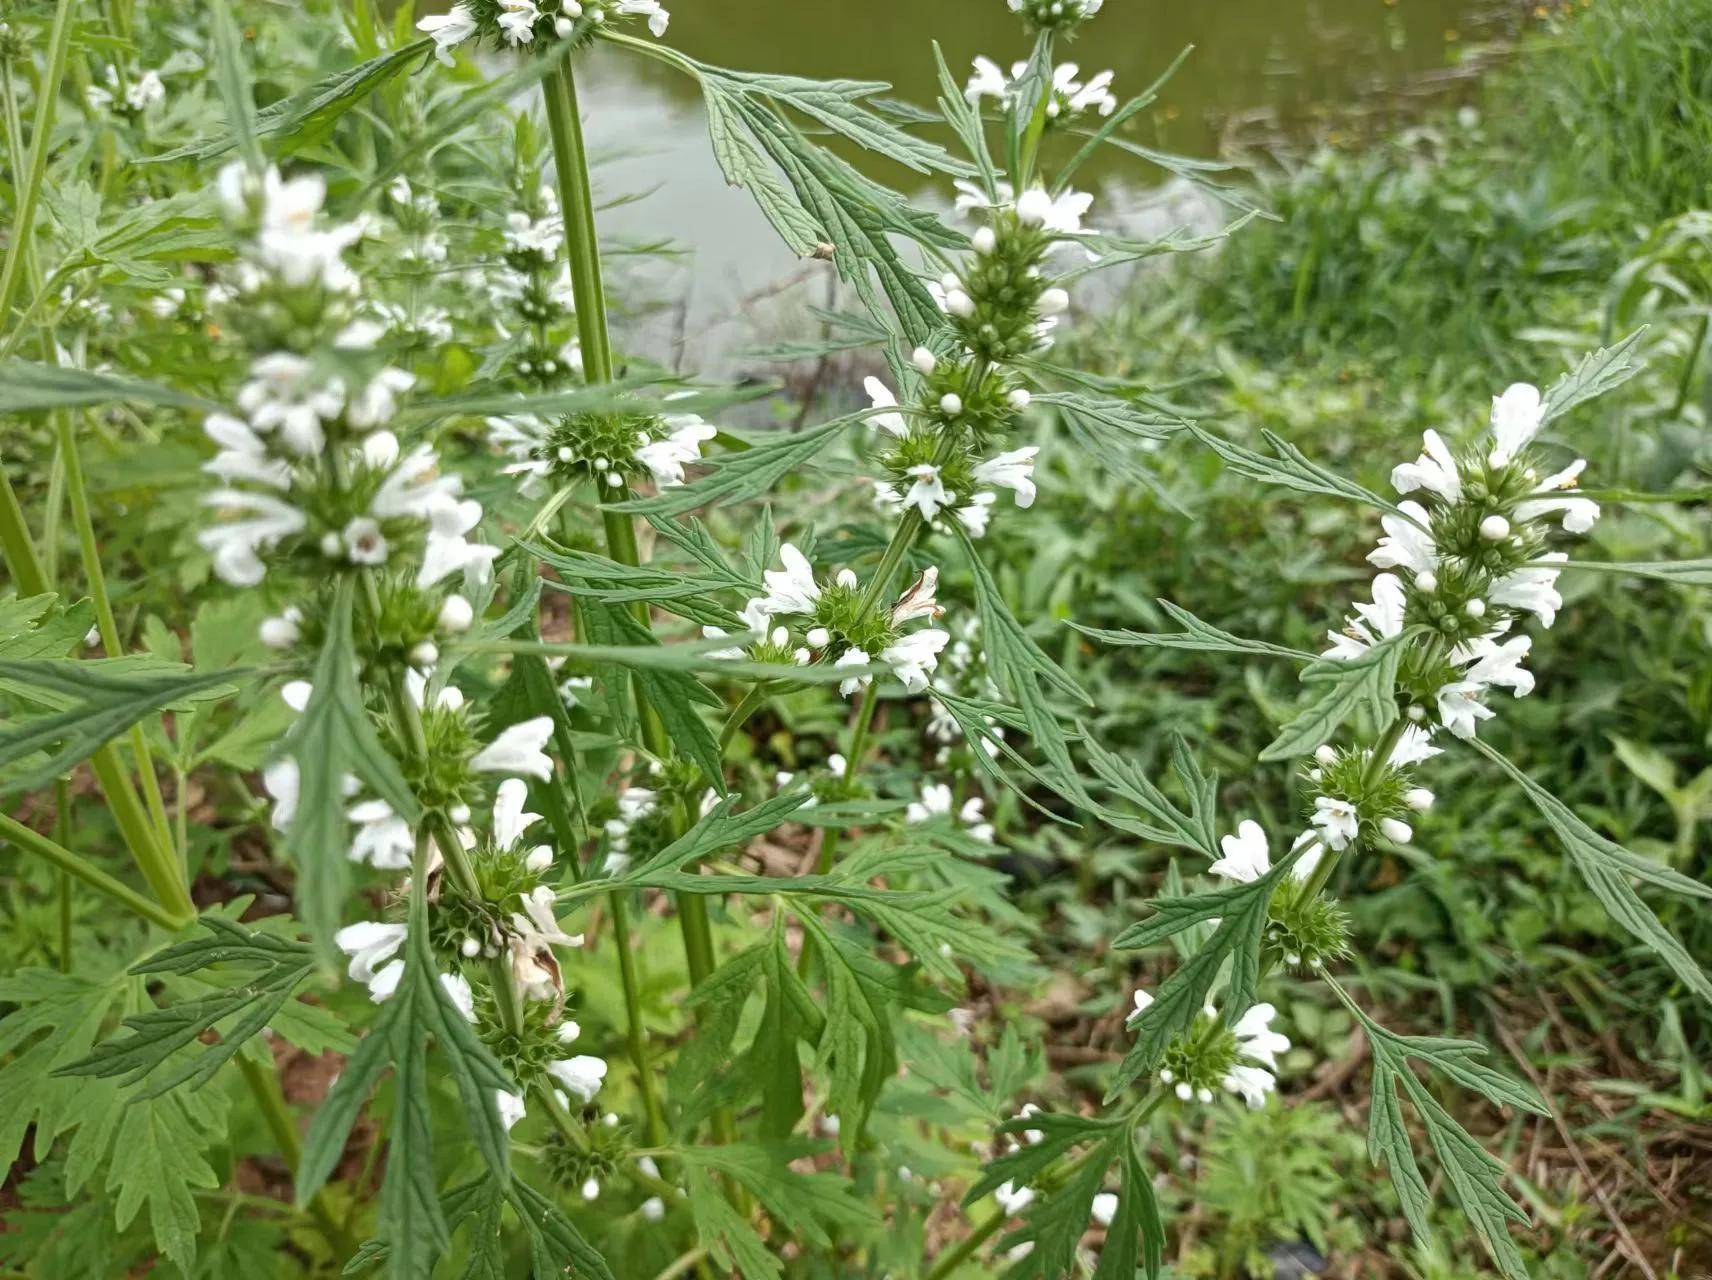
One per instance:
(1276, 58)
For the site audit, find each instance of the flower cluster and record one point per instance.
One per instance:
(130, 95)
(515, 24)
(837, 628)
(530, 288)
(1241, 1059)
(1466, 560)
(613, 448)
(1055, 15)
(1068, 99)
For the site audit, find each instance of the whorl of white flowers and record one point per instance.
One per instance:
(1068, 98)
(1055, 15)
(311, 479)
(1466, 561)
(519, 24)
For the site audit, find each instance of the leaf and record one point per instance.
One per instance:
(1291, 469)
(1057, 1221)
(806, 1203)
(1368, 682)
(107, 705)
(1197, 829)
(742, 476)
(1605, 867)
(1180, 999)
(1686, 573)
(1196, 635)
(1599, 371)
(595, 577)
(1059, 1134)
(1137, 1215)
(857, 1050)
(33, 1096)
(25, 385)
(419, 1011)
(965, 122)
(557, 1247)
(721, 828)
(332, 738)
(233, 80)
(158, 1159)
(726, 1235)
(158, 1035)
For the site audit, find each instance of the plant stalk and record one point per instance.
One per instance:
(80, 868)
(41, 137)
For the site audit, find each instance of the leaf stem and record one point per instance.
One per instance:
(265, 1088)
(41, 137)
(74, 865)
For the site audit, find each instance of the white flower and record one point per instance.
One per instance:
(1247, 856)
(371, 945)
(375, 404)
(1532, 588)
(1579, 514)
(1435, 470)
(1256, 1038)
(1061, 213)
(1013, 1199)
(509, 819)
(282, 781)
(510, 1106)
(976, 514)
(935, 802)
(518, 749)
(1396, 830)
(243, 455)
(919, 600)
(537, 923)
(928, 493)
(448, 550)
(1373, 622)
(1096, 94)
(1304, 865)
(581, 1075)
(653, 1209)
(1337, 820)
(145, 91)
(657, 17)
(1406, 545)
(792, 590)
(449, 30)
(666, 457)
(364, 541)
(1011, 470)
(234, 543)
(971, 197)
(1413, 747)
(1517, 416)
(853, 658)
(987, 82)
(881, 397)
(517, 19)
(382, 838)
(1105, 1208)
(457, 989)
(285, 393)
(911, 657)
(1488, 664)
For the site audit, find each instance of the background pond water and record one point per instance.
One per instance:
(1280, 61)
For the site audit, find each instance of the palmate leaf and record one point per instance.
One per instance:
(158, 1036)
(1292, 469)
(857, 1053)
(1196, 635)
(1196, 829)
(107, 703)
(726, 1234)
(808, 1204)
(331, 739)
(1474, 1175)
(1607, 867)
(1366, 682)
(420, 1011)
(1241, 911)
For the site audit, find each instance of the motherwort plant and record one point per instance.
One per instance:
(643, 956)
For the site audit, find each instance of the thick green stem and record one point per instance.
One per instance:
(62, 836)
(91, 875)
(576, 203)
(41, 136)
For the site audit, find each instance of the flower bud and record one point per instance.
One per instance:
(924, 360)
(1418, 798)
(460, 813)
(780, 637)
(1325, 753)
(1019, 399)
(984, 240)
(591, 1190)
(951, 404)
(1184, 1091)
(1475, 608)
(425, 654)
(1494, 528)
(847, 579)
(1033, 207)
(653, 1208)
(818, 638)
(456, 614)
(469, 948)
(539, 859)
(1427, 580)
(960, 304)
(1397, 830)
(1203, 1094)
(1053, 302)
(563, 25)
(614, 480)
(281, 632)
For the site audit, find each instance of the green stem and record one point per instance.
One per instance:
(264, 1087)
(61, 835)
(91, 875)
(751, 703)
(105, 622)
(636, 1032)
(41, 136)
(576, 203)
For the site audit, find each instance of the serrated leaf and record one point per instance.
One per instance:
(26, 386)
(107, 703)
(742, 476)
(1598, 372)
(1059, 1134)
(721, 828)
(1366, 682)
(1291, 469)
(1685, 573)
(1196, 635)
(1137, 1217)
(726, 1235)
(806, 1203)
(158, 1161)
(556, 1247)
(232, 77)
(332, 738)
(1606, 867)
(1197, 829)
